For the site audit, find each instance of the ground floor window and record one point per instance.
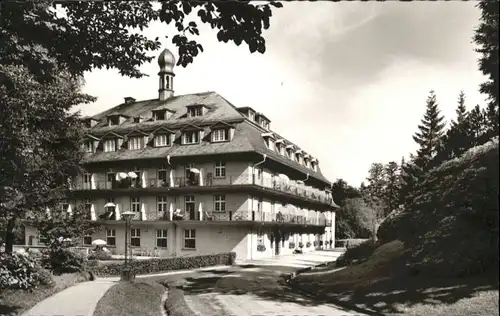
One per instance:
(42, 240)
(135, 237)
(189, 238)
(260, 238)
(87, 240)
(161, 238)
(110, 237)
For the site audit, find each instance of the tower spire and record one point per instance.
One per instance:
(166, 61)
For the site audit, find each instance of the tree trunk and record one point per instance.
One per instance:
(9, 235)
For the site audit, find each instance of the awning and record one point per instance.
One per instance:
(121, 176)
(280, 140)
(267, 135)
(284, 177)
(194, 170)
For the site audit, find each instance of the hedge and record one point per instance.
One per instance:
(162, 264)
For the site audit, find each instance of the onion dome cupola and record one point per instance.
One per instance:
(166, 61)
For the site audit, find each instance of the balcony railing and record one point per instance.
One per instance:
(274, 183)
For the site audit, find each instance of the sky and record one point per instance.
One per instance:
(345, 81)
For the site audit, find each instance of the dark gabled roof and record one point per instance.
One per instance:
(137, 132)
(190, 127)
(111, 134)
(162, 129)
(117, 114)
(221, 123)
(247, 136)
(92, 136)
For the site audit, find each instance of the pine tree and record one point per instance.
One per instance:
(392, 180)
(457, 139)
(487, 39)
(429, 134)
(477, 127)
(429, 138)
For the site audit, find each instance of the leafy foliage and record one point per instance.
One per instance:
(39, 143)
(19, 271)
(63, 260)
(80, 36)
(452, 227)
(357, 253)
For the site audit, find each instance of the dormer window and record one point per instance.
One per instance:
(160, 115)
(137, 119)
(269, 140)
(251, 115)
(113, 120)
(194, 111)
(314, 166)
(220, 135)
(299, 158)
(162, 140)
(190, 137)
(89, 122)
(88, 146)
(135, 143)
(110, 145)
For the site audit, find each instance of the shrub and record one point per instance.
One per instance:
(321, 243)
(297, 251)
(18, 271)
(357, 253)
(261, 248)
(315, 243)
(331, 242)
(301, 245)
(162, 264)
(308, 244)
(63, 260)
(100, 255)
(291, 245)
(45, 277)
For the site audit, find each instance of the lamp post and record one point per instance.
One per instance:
(126, 272)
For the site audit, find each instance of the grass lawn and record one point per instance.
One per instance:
(141, 297)
(383, 285)
(15, 302)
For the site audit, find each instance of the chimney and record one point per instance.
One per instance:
(129, 100)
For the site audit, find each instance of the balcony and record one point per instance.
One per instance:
(270, 184)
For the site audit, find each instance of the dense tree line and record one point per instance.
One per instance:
(392, 188)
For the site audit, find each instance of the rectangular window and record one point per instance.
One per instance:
(260, 238)
(191, 137)
(42, 240)
(135, 204)
(162, 140)
(109, 145)
(162, 204)
(89, 146)
(220, 135)
(289, 154)
(161, 238)
(87, 240)
(195, 111)
(135, 237)
(135, 143)
(110, 237)
(189, 238)
(220, 203)
(113, 120)
(160, 115)
(220, 169)
(252, 116)
(87, 178)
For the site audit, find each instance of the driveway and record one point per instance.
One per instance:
(255, 288)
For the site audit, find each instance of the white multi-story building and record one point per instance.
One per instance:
(202, 176)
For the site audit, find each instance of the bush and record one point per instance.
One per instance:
(45, 277)
(321, 243)
(357, 254)
(301, 245)
(163, 264)
(297, 251)
(261, 248)
(100, 255)
(18, 271)
(315, 243)
(291, 245)
(64, 260)
(308, 244)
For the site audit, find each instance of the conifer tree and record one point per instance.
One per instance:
(391, 174)
(429, 138)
